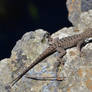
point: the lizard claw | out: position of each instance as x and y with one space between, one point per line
8 87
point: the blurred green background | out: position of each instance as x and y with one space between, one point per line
20 16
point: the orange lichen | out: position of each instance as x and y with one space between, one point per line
73 1
89 71
72 53
80 72
76 30
70 8
69 89
89 84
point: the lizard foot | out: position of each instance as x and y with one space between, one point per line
8 88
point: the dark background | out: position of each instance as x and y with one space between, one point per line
20 16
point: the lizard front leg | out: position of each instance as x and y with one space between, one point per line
61 52
79 46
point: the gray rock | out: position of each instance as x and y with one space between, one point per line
85 20
75 8
86 5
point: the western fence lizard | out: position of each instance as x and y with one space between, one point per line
59 45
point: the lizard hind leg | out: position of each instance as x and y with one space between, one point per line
61 52
79 47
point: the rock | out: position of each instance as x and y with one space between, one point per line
75 8
85 20
86 5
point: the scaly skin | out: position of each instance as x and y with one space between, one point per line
58 45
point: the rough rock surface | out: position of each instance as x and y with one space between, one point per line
77 70
76 7
85 20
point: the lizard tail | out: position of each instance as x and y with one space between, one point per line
45 54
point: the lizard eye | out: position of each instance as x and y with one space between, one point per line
50 40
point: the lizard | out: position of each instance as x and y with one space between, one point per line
59 45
